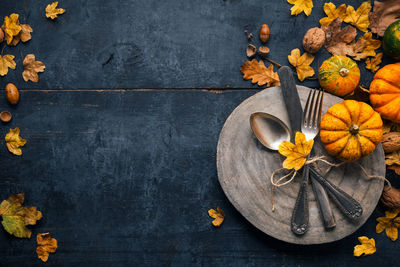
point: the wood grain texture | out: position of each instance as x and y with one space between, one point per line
244 168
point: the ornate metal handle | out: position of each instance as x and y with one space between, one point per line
323 202
348 205
300 212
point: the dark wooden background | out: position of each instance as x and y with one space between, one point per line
122 129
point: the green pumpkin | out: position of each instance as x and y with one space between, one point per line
391 40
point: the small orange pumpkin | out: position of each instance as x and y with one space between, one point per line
351 130
339 75
385 92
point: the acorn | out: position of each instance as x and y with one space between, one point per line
264 33
12 94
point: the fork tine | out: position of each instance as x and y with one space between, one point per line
315 109
320 107
306 108
310 111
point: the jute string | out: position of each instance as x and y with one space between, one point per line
282 181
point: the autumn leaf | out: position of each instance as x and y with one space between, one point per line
16 217
24 35
301 63
259 74
296 154
392 158
300 6
332 13
359 17
52 11
385 13
373 63
390 223
6 61
218 215
14 141
367 247
46 245
31 68
365 46
395 168
11 27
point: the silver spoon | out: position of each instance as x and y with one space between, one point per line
269 130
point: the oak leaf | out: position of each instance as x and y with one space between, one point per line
14 141
218 216
390 223
11 27
52 11
259 74
31 68
16 217
296 154
332 13
373 62
299 6
359 17
385 13
6 61
367 247
392 158
301 63
46 245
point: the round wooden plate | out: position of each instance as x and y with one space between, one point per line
244 169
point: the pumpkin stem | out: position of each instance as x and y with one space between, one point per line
343 72
354 129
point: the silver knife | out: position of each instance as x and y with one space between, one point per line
300 214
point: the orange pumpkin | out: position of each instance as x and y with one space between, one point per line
385 92
351 130
339 75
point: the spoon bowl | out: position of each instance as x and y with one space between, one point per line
269 130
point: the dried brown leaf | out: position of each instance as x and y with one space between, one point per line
259 74
31 68
46 245
385 13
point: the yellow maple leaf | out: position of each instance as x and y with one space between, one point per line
218 216
52 11
359 17
31 68
24 35
15 217
296 154
46 245
6 61
301 63
373 62
392 158
365 46
390 223
300 6
332 13
14 141
259 74
367 246
11 27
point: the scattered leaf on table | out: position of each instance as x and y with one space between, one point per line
359 17
31 68
339 42
52 11
16 217
373 62
218 215
296 154
392 158
367 247
46 245
6 61
301 6
11 27
387 126
365 46
24 35
259 74
301 63
332 13
14 141
385 13
390 223
395 168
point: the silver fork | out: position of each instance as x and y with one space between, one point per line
310 128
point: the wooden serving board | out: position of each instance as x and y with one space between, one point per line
244 169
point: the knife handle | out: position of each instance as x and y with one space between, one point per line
347 204
323 203
299 223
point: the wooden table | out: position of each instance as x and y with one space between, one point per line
122 129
